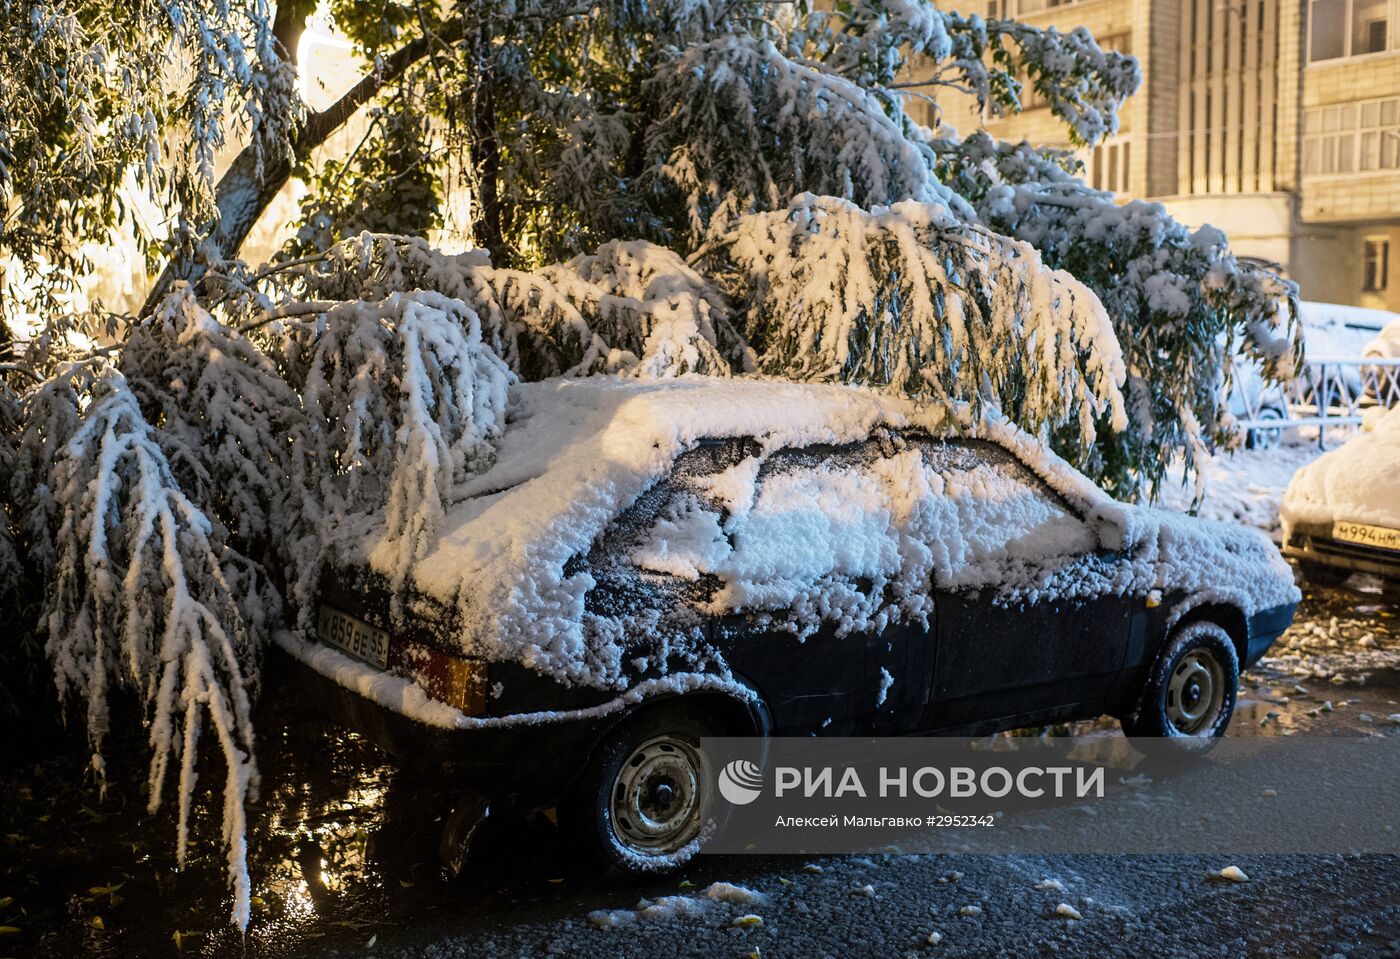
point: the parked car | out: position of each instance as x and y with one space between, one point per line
1334 329
1252 398
1341 512
1383 382
650 563
1329 331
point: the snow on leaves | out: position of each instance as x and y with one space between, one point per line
402 400
629 307
747 127
138 597
1182 305
879 44
908 299
166 498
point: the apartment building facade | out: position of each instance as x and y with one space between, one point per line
1276 120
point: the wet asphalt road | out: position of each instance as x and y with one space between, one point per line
345 864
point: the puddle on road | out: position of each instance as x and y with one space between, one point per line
343 844
342 848
90 873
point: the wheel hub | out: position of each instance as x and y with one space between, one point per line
656 798
1196 692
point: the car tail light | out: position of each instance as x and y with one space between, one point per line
455 680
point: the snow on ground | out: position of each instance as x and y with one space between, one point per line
1342 649
663 908
1244 487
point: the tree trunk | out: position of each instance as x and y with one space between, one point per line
6 338
289 24
242 195
486 152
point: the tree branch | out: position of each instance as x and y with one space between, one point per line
242 195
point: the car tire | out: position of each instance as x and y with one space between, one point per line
1266 438
1190 693
1320 574
646 800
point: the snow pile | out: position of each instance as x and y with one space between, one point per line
1358 481
850 536
665 908
734 894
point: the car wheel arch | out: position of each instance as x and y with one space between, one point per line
737 715
1228 617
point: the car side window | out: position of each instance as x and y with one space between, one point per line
771 528
1000 522
672 538
817 511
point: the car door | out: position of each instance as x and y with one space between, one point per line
1029 626
816 632
725 529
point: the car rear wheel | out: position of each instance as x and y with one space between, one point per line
646 800
1191 690
1320 574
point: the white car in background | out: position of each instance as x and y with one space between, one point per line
1386 344
1383 382
1329 331
1341 513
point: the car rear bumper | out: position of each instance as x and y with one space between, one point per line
1314 544
1266 626
538 762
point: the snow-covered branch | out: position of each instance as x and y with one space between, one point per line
402 399
908 298
141 594
747 127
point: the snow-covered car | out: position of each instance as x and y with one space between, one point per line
1334 331
1383 381
1338 330
650 562
1341 512
1386 343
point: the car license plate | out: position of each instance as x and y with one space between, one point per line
353 636
1365 535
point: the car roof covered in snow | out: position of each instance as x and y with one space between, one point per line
578 451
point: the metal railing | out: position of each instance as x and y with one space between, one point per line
1328 391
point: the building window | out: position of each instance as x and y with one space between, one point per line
1109 166
1349 28
1035 6
1377 257
1352 137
